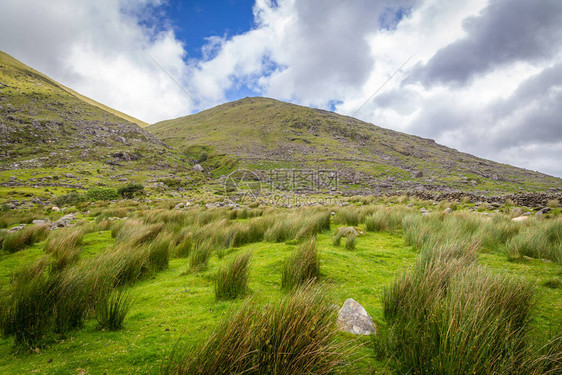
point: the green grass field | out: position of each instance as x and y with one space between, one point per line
177 306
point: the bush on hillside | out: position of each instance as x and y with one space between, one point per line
100 193
69 199
131 190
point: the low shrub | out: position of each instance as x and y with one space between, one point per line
69 199
100 193
232 280
131 190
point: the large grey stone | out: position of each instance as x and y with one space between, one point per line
353 318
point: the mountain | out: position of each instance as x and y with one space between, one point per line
43 123
264 134
49 132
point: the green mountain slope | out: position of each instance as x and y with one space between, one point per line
51 136
53 125
268 134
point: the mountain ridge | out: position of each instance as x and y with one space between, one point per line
281 133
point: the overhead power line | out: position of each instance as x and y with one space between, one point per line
380 88
176 82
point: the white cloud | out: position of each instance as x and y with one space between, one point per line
477 81
100 49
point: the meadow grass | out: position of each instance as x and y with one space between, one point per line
450 316
112 309
23 238
294 336
302 267
232 280
447 288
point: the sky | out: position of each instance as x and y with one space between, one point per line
481 76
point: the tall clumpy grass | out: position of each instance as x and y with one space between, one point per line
64 245
450 316
22 238
541 240
112 309
232 280
385 219
159 252
200 256
302 267
294 336
42 304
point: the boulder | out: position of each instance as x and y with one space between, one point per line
198 168
63 221
447 210
418 174
16 228
520 218
353 318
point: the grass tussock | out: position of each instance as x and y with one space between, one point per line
450 316
18 240
112 309
295 336
200 257
159 252
42 305
184 246
64 245
232 280
302 267
385 219
543 240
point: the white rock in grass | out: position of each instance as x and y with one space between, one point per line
520 218
353 318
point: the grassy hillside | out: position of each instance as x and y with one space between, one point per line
53 139
7 60
265 133
51 124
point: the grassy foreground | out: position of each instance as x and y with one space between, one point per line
168 263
